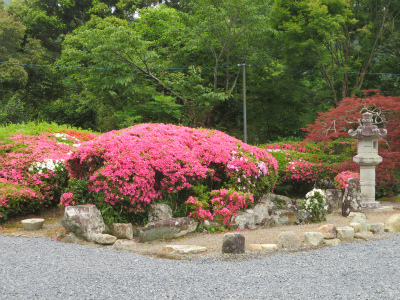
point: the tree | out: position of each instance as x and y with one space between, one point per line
128 64
386 111
227 29
339 38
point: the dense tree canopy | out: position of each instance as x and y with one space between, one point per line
108 64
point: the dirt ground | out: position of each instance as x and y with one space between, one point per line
213 242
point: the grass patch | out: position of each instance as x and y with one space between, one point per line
395 198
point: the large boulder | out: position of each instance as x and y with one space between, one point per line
233 243
167 229
333 200
352 197
83 220
393 223
278 201
261 211
284 217
244 219
158 212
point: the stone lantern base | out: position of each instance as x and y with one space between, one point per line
370 205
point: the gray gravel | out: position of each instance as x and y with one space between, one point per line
46 269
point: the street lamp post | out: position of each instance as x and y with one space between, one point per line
244 102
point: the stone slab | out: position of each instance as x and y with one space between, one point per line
184 249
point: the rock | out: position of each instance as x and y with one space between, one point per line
352 197
244 219
357 217
184 249
356 226
277 201
158 212
233 243
393 223
71 238
345 233
333 200
261 247
124 245
332 242
328 231
122 230
268 222
254 248
315 239
261 211
83 220
376 228
269 246
104 239
364 235
32 224
288 239
284 217
167 229
136 230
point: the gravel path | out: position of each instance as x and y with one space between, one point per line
45 269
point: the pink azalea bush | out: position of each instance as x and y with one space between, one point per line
224 205
303 165
130 168
342 178
32 173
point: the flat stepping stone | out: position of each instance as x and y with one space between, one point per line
32 224
261 247
184 249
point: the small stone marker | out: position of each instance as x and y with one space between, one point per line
184 249
233 243
124 244
376 228
332 242
357 217
288 239
345 233
32 224
315 239
122 230
364 235
103 239
393 223
328 231
356 226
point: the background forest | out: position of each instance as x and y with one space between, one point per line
109 64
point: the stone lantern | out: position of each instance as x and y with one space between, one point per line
367 157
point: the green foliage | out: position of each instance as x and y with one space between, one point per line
33 128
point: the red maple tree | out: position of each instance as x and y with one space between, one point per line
347 115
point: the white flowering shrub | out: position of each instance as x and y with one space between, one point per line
315 205
47 165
